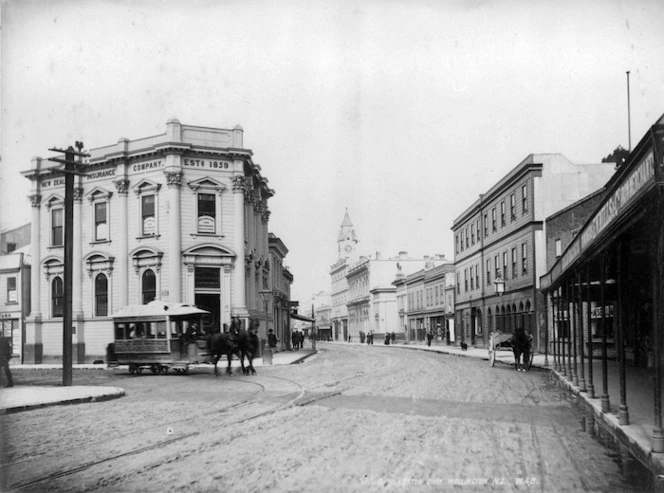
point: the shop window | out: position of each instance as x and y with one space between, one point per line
12 293
524 259
101 295
207 213
57 297
148 217
101 221
514 271
148 286
57 227
524 198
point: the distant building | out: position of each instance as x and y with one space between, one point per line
347 242
322 303
13 239
372 296
15 298
281 280
502 236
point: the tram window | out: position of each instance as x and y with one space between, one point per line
132 332
161 330
120 331
150 331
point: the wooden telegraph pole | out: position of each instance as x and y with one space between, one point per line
72 167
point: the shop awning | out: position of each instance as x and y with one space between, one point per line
302 317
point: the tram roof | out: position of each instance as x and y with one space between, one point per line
157 308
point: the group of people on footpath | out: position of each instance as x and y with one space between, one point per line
5 356
297 338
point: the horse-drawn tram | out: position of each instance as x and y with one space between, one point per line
159 336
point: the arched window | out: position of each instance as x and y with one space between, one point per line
101 296
149 286
57 297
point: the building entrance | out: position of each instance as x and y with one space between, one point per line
207 295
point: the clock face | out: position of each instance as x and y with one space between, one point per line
348 248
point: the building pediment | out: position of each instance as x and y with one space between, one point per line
98 193
206 183
146 186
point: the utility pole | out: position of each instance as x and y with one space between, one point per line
71 168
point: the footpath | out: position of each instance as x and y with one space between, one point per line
25 397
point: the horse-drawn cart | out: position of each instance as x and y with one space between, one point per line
520 343
160 336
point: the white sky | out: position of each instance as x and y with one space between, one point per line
401 111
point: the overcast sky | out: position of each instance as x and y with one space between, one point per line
403 112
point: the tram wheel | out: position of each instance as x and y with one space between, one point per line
164 370
132 369
155 369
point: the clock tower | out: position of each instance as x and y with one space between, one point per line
347 239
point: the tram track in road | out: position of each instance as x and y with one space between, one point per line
190 429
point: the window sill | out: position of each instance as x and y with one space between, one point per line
12 303
148 237
99 242
207 235
53 247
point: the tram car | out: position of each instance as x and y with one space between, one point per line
159 336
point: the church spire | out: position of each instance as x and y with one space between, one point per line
347 239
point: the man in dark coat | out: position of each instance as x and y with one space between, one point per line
5 356
272 340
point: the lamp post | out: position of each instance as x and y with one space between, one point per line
499 286
313 326
266 294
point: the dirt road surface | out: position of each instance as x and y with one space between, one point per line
351 418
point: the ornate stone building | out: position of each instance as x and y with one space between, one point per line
181 216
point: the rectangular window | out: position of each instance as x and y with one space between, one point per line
465 279
57 227
514 271
524 198
493 219
486 225
477 228
502 213
496 264
101 221
12 294
488 272
505 266
559 248
456 243
458 283
524 259
207 213
467 240
149 221
472 235
472 279
477 276
512 207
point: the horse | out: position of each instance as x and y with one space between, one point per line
247 342
220 344
521 347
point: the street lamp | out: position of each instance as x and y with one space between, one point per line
499 285
266 294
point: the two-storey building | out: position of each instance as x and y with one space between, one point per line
281 280
15 298
501 237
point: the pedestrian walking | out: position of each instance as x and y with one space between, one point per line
393 337
295 340
387 339
429 338
5 356
301 340
271 340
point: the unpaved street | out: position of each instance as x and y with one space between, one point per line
351 418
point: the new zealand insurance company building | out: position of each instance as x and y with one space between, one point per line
181 216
